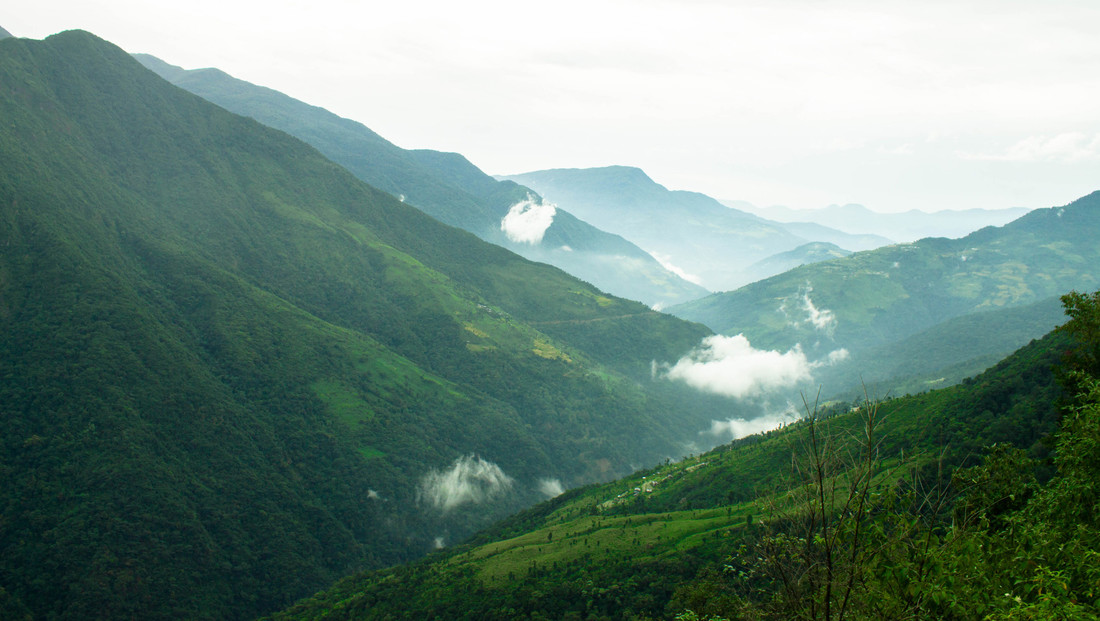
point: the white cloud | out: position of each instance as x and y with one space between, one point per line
823 319
470 480
834 357
528 220
730 366
666 262
740 427
550 487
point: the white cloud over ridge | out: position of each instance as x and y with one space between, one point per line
528 220
470 480
731 366
551 487
822 319
740 427
666 262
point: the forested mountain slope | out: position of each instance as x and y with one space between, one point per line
661 541
872 300
448 187
230 372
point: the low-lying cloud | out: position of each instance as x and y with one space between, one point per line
666 262
822 319
551 487
470 480
735 428
731 366
528 220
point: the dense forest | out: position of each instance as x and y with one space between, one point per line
231 373
972 502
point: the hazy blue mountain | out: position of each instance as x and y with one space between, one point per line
4 34
873 300
805 254
690 231
447 187
231 372
850 241
903 227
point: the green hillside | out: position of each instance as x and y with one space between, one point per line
685 535
444 185
872 301
232 372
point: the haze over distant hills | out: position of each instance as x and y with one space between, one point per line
902 227
451 189
708 242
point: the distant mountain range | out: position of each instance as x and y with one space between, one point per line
902 227
827 234
872 301
706 241
451 189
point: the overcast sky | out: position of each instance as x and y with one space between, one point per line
924 104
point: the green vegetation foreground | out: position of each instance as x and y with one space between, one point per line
884 512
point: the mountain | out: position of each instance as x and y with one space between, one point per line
231 372
813 252
822 233
905 226
4 34
669 538
693 232
876 299
449 188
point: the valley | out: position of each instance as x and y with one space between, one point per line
257 361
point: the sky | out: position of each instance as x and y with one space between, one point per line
895 105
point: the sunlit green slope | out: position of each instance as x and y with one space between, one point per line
634 548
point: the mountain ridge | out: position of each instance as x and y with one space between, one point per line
447 186
876 297
901 226
694 232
